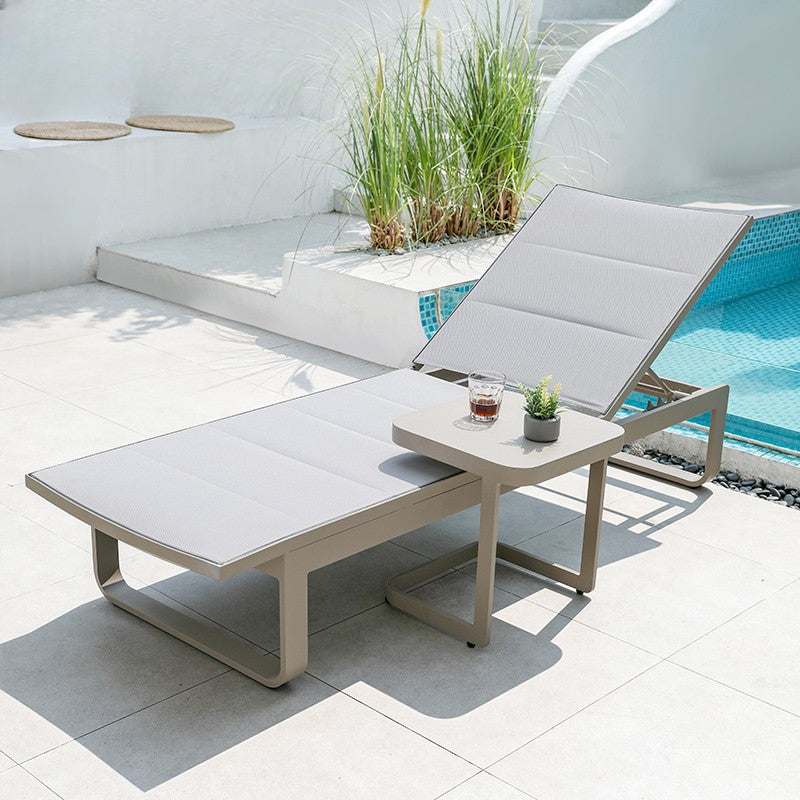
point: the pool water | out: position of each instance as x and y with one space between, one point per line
751 343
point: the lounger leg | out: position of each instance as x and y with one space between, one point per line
213 640
487 550
293 582
714 400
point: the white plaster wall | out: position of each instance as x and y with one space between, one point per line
60 200
108 59
267 64
687 94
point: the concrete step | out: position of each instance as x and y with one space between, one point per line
308 278
574 33
552 58
243 255
588 9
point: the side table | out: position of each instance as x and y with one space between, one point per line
503 458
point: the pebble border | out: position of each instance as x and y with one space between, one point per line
774 493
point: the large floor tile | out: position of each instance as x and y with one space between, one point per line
17 784
202 339
72 662
757 652
40 317
52 431
737 523
296 369
163 403
92 307
21 500
233 738
658 591
6 762
248 603
84 362
480 703
626 487
668 734
484 786
13 393
32 557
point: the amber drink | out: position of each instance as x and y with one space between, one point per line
485 395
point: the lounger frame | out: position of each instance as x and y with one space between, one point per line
676 402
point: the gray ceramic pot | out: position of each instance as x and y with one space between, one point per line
542 430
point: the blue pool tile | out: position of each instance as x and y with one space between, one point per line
764 401
768 256
763 327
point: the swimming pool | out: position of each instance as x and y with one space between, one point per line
743 331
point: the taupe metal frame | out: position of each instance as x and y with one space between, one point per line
676 402
290 561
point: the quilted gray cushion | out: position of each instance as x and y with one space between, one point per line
588 290
222 490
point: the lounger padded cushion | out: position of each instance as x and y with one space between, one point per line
588 290
222 490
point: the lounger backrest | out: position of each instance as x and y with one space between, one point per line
589 290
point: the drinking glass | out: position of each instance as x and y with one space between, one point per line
485 395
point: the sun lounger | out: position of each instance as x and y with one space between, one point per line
590 289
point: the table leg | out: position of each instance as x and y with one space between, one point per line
487 550
487 558
592 524
583 580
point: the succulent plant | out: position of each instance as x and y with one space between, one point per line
539 401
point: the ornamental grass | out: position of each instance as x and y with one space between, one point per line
439 128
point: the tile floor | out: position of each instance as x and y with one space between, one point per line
677 678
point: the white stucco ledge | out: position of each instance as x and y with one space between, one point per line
304 278
149 184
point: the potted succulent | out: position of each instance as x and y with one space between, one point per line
542 422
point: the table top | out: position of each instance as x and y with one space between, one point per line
498 449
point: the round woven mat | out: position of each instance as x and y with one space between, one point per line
172 122
72 131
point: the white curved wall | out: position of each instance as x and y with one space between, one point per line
686 94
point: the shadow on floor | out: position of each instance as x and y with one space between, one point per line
97 665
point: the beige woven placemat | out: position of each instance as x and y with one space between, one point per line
72 131
173 122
